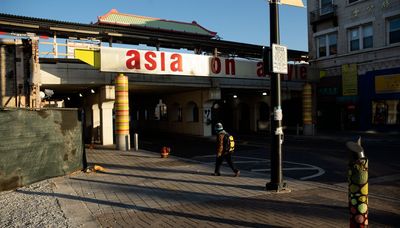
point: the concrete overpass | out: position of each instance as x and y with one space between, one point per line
177 102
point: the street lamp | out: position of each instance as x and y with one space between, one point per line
278 66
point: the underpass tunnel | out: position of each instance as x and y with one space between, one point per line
243 110
194 111
176 109
182 110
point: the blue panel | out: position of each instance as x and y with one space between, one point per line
367 95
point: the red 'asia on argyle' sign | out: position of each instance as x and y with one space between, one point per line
150 57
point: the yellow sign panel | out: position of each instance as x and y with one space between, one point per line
349 80
298 3
387 83
90 57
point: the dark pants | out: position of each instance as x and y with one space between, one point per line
228 157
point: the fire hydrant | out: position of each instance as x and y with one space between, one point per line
165 151
358 185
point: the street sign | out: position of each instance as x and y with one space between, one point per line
279 59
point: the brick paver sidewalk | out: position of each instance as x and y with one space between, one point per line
140 189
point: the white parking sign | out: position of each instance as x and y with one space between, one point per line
279 59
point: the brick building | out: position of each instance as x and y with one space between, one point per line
354 46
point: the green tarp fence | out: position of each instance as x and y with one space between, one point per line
38 144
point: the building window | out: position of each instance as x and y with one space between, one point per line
326 6
176 112
354 40
327 45
192 112
195 114
394 30
160 112
332 42
361 37
321 42
386 112
367 37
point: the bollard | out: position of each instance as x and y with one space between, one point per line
358 185
136 141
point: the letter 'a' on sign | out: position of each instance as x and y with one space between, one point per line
298 3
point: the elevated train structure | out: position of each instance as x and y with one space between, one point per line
179 77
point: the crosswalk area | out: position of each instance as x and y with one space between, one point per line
296 170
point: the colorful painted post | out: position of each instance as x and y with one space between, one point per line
122 112
307 110
358 185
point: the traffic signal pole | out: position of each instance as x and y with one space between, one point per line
276 183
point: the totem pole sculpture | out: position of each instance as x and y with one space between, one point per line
358 185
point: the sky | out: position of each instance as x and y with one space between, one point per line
245 21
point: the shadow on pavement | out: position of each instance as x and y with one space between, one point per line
243 204
247 187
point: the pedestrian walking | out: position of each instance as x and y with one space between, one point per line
225 149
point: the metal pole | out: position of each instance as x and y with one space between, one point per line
83 125
276 183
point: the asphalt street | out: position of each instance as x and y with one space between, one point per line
321 158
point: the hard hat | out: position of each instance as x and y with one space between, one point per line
219 127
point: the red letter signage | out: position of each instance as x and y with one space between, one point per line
230 65
151 62
177 64
135 59
215 65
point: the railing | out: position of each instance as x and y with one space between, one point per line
64 48
323 13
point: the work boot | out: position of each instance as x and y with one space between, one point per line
237 173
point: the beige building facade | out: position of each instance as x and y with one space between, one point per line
354 47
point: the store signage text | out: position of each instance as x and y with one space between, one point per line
169 63
387 83
151 60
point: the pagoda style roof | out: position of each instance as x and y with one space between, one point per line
113 17
11 24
